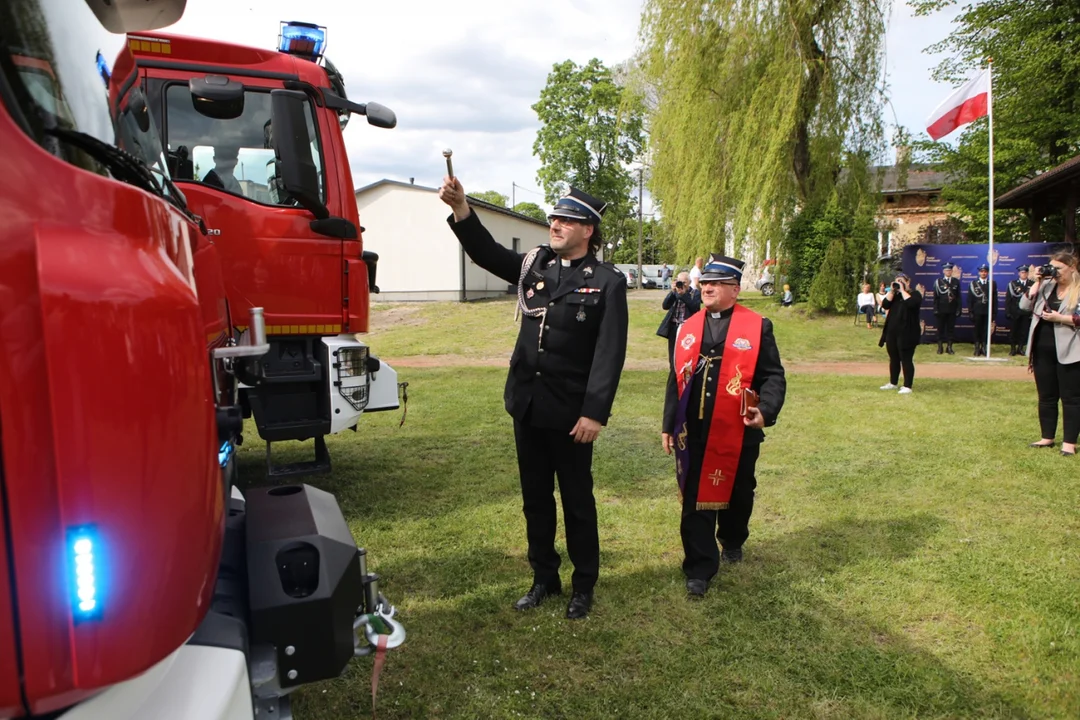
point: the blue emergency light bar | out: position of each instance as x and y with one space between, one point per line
84 549
302 39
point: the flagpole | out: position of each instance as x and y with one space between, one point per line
990 201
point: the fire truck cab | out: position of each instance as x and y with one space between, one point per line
254 139
136 580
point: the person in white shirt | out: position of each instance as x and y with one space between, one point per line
695 275
867 304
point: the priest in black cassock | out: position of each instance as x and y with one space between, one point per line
720 352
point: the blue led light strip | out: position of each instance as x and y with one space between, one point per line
84 549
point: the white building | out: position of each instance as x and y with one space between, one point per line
420 258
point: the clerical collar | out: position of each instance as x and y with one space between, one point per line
572 263
722 313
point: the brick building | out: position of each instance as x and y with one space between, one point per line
908 204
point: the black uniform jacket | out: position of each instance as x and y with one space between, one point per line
984 305
769 382
946 296
1017 289
572 370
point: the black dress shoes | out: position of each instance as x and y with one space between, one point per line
734 555
580 604
536 595
695 589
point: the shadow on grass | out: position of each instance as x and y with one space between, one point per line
766 642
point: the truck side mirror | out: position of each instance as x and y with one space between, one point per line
124 16
380 116
217 96
292 150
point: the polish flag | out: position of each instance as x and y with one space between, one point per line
968 103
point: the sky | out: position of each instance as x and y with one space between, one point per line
463 75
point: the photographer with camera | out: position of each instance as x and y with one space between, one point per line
1054 347
900 334
682 302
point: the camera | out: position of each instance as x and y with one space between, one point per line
1048 271
679 284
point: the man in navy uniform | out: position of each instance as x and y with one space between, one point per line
563 375
946 307
1020 319
982 304
720 352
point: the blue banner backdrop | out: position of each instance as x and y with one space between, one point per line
922 263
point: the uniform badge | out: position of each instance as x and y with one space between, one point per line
688 341
741 344
550 263
540 285
580 317
587 271
529 293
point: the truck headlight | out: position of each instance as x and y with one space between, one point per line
352 381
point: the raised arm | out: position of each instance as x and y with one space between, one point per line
475 238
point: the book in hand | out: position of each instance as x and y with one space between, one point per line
749 400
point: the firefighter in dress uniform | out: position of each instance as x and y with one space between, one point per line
982 304
563 375
946 307
720 351
1020 319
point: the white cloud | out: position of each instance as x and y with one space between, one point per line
464 75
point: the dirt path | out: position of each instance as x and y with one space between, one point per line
941 371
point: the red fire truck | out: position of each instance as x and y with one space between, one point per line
136 580
292 246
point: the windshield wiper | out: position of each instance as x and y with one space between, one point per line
124 167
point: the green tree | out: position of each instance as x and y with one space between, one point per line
846 239
1035 48
655 245
532 210
491 197
591 129
759 104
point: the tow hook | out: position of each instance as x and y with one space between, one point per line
382 618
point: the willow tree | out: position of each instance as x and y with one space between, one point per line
759 102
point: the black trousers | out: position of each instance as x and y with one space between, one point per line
543 455
981 322
946 327
701 529
1056 382
900 358
1018 333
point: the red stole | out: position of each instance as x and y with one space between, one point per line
724 444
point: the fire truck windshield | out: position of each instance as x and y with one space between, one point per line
235 155
55 57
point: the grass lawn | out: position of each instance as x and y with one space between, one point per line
909 555
487 329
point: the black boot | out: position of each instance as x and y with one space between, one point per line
949 349
939 350
536 595
1012 350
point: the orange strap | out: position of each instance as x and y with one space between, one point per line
380 658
